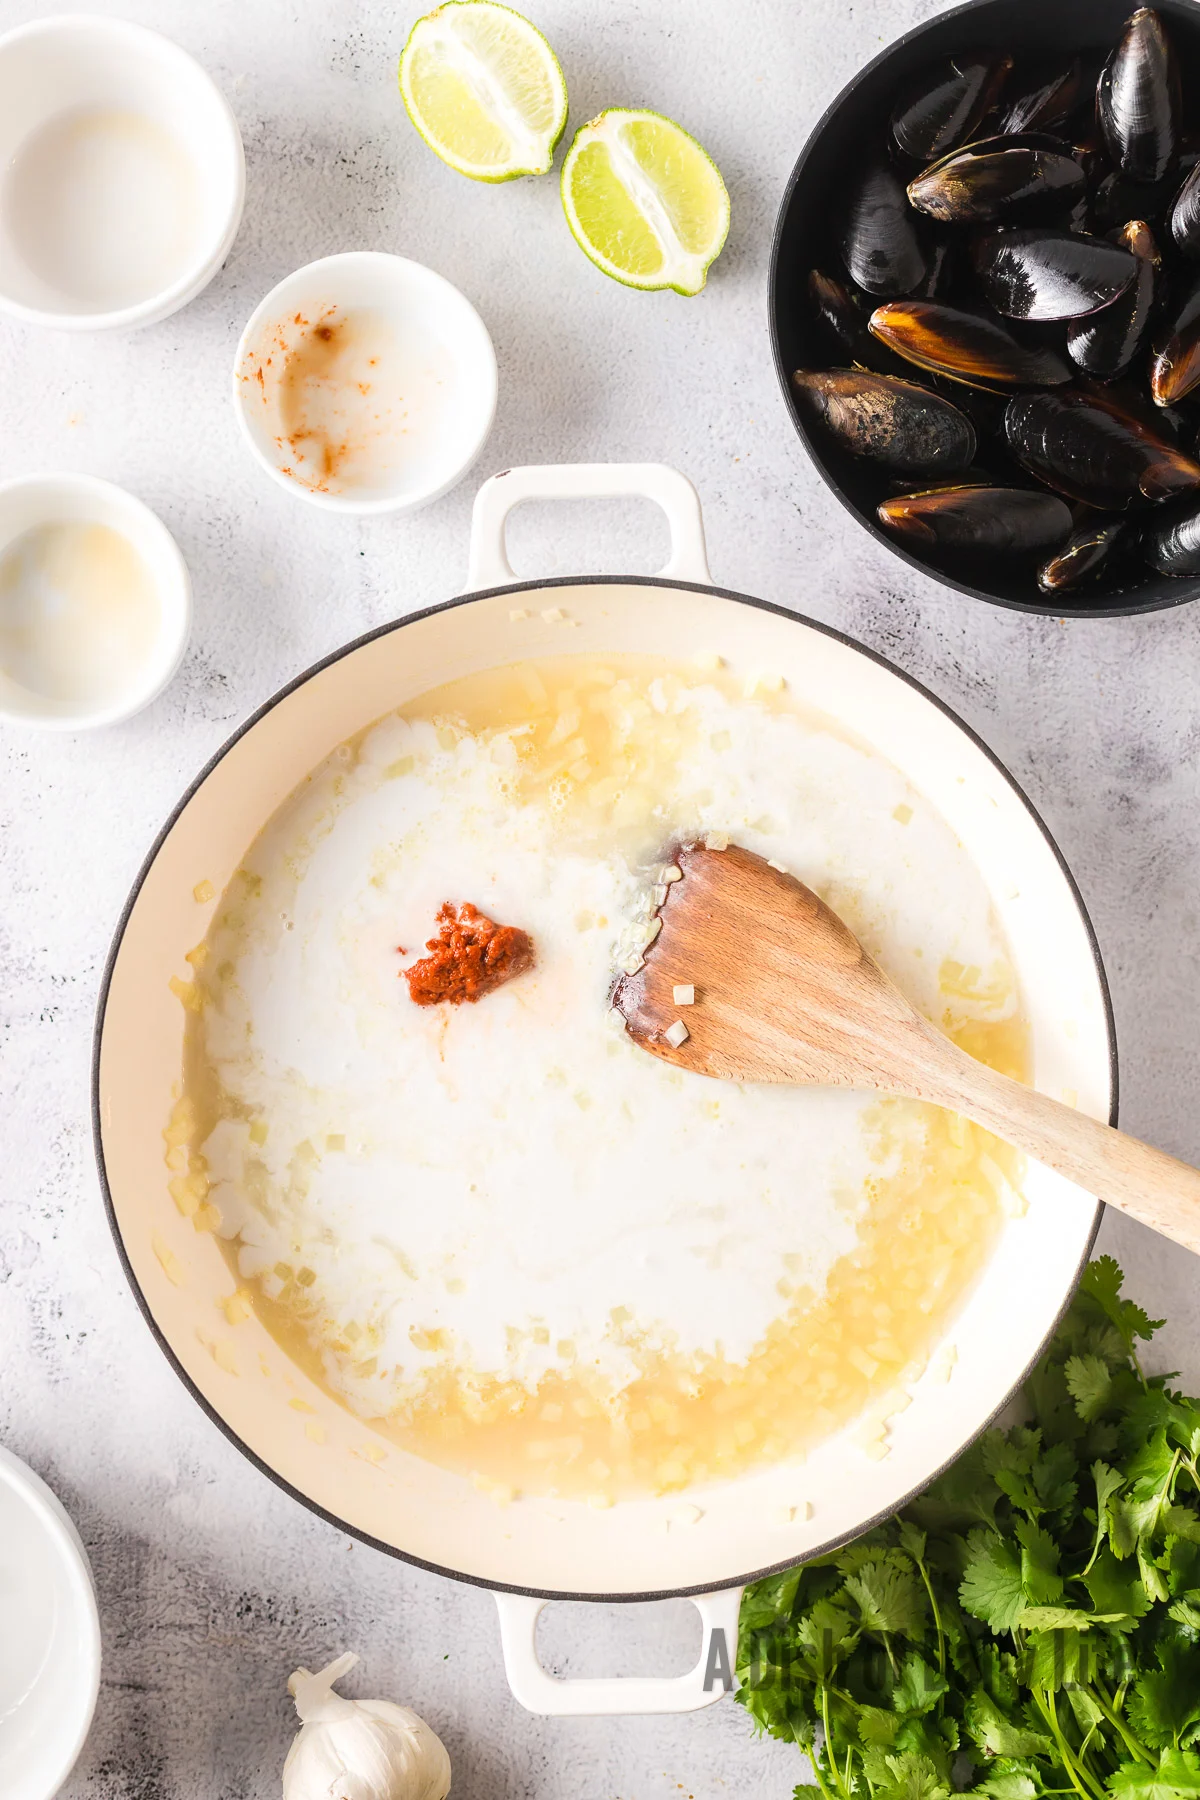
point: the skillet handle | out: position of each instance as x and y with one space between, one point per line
709 1680
489 565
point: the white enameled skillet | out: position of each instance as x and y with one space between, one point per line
539 1549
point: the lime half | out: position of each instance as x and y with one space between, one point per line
645 201
484 89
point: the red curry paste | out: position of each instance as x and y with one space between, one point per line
470 956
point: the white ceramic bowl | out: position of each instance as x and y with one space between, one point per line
122 175
36 500
433 324
50 1643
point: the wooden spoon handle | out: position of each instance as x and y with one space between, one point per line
1149 1185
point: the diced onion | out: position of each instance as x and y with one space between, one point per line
716 840
676 1034
684 994
686 1515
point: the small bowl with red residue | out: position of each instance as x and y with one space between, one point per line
366 383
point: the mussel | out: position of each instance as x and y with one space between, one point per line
967 347
1138 99
997 179
898 424
1115 198
1185 216
1050 103
1105 343
1043 274
1089 450
1002 520
879 241
1171 541
944 105
1175 370
1085 555
837 309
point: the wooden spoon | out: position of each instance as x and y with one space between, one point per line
785 992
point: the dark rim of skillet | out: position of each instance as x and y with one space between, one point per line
551 583
1033 28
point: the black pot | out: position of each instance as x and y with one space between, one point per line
804 239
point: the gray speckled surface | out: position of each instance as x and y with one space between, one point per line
212 1584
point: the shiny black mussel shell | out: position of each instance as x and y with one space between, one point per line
1175 370
898 424
992 520
1105 343
1043 274
1050 103
965 346
837 309
945 104
1086 555
1086 448
1138 101
1171 540
879 241
1185 216
1115 199
998 179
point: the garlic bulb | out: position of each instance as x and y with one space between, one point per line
359 1749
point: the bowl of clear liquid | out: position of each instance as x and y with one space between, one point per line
122 175
95 603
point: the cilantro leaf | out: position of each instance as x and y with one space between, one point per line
912 1541
1181 1522
997 1735
1114 1589
919 1688
1062 1618
991 1585
1007 1787
1054 1477
769 1600
913 1777
889 1598
1039 1562
1178 1772
1102 1283
1108 1482
1165 1701
1090 1383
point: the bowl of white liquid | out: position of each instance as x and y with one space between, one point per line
95 603
366 383
122 176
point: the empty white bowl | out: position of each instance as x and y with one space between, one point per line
50 1644
122 175
91 642
366 383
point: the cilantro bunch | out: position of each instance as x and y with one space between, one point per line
1031 1624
